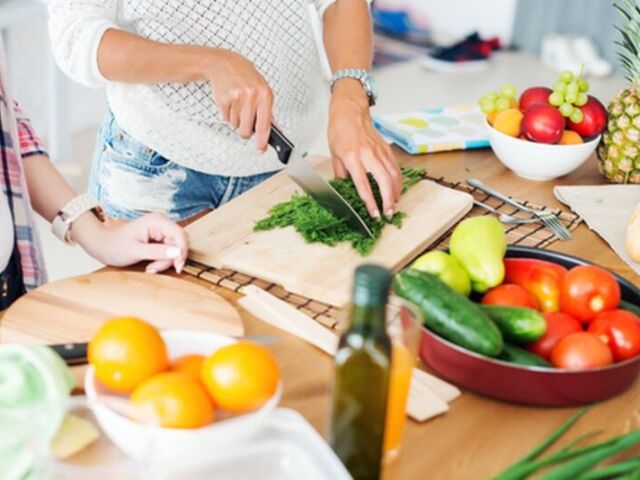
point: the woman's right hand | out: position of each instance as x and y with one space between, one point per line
242 94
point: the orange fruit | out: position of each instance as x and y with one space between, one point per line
491 118
175 400
240 377
125 352
508 122
570 137
189 364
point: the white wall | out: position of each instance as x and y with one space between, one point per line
29 68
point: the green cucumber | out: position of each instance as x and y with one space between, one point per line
520 356
449 314
517 324
630 307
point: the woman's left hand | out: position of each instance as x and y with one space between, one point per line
152 237
358 149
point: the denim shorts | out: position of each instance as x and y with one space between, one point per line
129 180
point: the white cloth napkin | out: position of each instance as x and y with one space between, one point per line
606 209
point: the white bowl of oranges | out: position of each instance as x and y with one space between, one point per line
189 391
545 133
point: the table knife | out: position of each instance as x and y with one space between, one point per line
301 172
75 354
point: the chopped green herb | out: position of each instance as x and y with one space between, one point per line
317 224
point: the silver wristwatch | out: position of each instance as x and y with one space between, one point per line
78 206
363 77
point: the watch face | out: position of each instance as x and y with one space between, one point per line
370 86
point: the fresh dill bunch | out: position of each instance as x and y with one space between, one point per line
317 224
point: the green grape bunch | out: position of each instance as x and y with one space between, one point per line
570 93
494 102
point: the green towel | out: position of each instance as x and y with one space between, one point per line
35 384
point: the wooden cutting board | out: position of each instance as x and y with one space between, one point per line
225 238
71 310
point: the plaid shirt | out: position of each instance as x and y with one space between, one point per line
17 141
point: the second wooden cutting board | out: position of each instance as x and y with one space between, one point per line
71 310
225 239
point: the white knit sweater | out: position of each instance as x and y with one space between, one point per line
181 121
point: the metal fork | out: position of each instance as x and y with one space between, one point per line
505 217
549 219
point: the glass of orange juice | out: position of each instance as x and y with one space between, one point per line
403 326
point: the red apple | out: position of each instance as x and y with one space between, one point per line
534 96
594 121
543 124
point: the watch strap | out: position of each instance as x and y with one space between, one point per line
78 206
359 74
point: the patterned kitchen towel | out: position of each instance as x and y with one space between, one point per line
459 127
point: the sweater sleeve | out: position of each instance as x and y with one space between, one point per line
322 5
76 28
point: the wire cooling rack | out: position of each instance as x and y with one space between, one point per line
529 235
525 235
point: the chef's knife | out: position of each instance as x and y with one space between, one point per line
75 354
313 184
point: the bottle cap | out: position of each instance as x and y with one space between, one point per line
371 285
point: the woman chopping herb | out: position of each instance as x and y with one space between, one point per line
28 178
189 81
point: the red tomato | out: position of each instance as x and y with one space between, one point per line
588 290
510 295
620 330
541 278
559 325
580 351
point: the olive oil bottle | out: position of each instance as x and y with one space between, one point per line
362 371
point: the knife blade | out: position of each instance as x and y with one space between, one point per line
75 354
301 172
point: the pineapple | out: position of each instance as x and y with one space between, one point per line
619 151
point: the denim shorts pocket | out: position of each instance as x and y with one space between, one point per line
124 149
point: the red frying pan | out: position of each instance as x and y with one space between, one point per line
531 385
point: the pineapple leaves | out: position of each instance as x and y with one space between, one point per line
622 11
627 65
629 10
629 42
625 61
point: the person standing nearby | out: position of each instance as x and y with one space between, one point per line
189 81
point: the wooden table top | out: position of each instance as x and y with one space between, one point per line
478 437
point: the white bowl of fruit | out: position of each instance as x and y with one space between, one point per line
545 133
180 394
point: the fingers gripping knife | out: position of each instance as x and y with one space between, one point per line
312 183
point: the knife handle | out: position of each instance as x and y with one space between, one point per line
72 353
281 144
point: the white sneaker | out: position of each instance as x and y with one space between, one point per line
557 52
587 53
